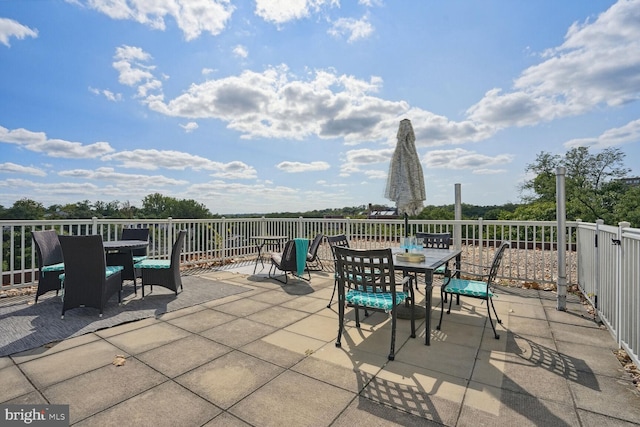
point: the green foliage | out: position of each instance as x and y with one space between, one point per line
24 209
592 185
159 206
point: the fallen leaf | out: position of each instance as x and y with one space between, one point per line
119 360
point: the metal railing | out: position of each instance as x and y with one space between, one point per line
609 277
607 274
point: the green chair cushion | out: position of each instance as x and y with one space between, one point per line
139 258
109 271
53 267
113 269
153 263
473 288
380 300
440 270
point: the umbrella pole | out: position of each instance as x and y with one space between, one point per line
406 228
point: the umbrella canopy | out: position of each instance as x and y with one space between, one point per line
405 183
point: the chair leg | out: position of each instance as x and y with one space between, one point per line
357 310
490 302
392 351
335 285
340 319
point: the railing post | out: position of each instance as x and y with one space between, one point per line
169 241
561 212
457 229
94 225
620 255
300 228
480 241
599 223
223 238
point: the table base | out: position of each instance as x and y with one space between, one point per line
404 312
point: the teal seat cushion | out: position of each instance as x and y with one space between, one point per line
440 270
153 263
139 258
109 271
380 300
473 288
113 269
53 267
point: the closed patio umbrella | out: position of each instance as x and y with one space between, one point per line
405 182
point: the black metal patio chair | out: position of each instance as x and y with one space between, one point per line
480 289
287 263
366 279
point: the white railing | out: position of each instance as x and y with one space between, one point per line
608 275
220 241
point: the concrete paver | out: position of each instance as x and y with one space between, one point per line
268 357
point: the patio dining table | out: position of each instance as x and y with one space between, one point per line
120 252
265 240
433 258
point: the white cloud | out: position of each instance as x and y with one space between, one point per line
295 167
240 51
610 138
111 96
355 160
597 64
278 104
189 127
464 159
356 29
38 142
109 174
133 70
177 160
193 17
281 11
10 28
14 168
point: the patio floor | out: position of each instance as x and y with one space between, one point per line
267 358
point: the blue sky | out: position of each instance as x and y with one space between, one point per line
267 106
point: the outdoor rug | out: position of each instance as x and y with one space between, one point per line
24 327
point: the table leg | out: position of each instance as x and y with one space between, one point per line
428 278
259 247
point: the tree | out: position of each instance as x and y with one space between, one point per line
159 206
592 182
25 209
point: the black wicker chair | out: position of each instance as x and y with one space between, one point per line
136 234
481 288
287 262
163 272
50 261
366 279
87 280
128 258
314 263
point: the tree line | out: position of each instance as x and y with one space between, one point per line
595 189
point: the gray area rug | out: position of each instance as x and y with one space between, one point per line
24 327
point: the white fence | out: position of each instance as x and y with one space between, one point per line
608 275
